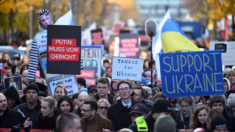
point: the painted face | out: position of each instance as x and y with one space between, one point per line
46 110
45 20
65 107
103 109
202 115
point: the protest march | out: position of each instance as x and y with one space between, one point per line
147 77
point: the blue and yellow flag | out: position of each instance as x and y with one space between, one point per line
174 39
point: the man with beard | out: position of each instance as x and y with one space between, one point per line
31 109
8 117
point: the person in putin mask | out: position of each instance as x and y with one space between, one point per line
103 89
119 112
91 120
8 117
31 109
49 112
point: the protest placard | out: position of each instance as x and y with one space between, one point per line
1 72
70 84
91 59
227 51
97 37
15 81
127 68
129 45
191 73
64 48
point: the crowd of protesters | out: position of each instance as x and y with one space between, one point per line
111 105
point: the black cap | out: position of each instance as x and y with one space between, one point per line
161 105
139 108
92 87
42 93
2 86
82 81
218 121
42 87
32 87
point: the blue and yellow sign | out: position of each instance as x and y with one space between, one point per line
192 73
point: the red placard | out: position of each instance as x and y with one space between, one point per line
63 57
129 41
87 74
63 42
90 82
61 49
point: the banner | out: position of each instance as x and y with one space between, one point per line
227 51
70 83
64 48
15 81
97 37
91 60
127 68
191 73
129 45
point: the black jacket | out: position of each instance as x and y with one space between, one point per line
230 119
46 123
119 115
11 118
12 93
29 113
77 112
110 98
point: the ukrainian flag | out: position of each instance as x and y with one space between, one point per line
174 39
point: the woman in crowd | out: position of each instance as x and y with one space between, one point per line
25 60
75 101
199 117
59 92
103 106
49 112
65 104
116 99
24 67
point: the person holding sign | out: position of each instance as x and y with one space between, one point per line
39 44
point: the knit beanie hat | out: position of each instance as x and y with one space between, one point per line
231 99
218 121
12 93
82 81
161 105
164 123
32 87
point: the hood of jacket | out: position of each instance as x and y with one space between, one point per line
228 82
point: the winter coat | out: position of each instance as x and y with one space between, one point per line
110 98
12 93
29 113
11 118
230 119
103 123
119 115
46 123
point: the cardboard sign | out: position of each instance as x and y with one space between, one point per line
227 51
191 73
70 83
15 81
127 68
91 60
143 38
64 48
0 72
129 45
97 37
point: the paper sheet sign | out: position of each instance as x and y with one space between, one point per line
127 68
191 73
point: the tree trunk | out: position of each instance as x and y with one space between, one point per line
10 32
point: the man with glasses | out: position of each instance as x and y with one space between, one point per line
83 96
31 109
103 89
91 120
119 113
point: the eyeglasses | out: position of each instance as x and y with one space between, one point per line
67 105
84 110
103 108
126 89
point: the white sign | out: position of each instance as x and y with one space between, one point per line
70 83
227 51
127 68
